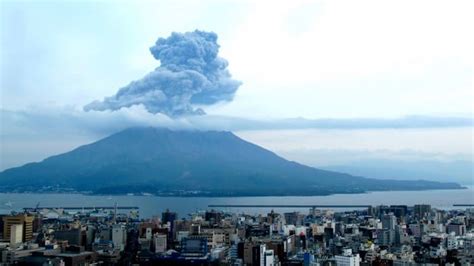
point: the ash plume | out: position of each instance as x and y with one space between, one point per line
191 73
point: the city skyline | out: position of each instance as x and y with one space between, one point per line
236 132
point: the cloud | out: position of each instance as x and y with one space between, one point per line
356 123
73 120
35 133
191 73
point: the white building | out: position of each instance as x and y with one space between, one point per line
119 236
451 242
269 258
347 259
218 253
159 241
148 233
16 234
262 251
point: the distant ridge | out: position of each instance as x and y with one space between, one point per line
187 163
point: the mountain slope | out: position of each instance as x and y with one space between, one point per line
209 162
443 171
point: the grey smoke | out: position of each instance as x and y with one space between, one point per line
191 73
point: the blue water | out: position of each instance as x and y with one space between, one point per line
151 205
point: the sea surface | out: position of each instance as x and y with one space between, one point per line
151 205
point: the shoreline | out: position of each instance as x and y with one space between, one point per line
219 195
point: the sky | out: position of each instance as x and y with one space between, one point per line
309 60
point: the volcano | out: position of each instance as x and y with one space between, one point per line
188 163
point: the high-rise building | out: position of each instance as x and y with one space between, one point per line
415 229
1 225
458 229
213 216
247 252
23 219
119 236
381 210
159 241
399 211
72 236
195 229
386 237
421 210
294 218
258 254
269 258
168 216
389 221
16 234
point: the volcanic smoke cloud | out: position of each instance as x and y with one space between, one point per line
190 74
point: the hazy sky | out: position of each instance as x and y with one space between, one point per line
310 59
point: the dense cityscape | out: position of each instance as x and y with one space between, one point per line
377 235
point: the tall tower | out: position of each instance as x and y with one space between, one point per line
22 219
